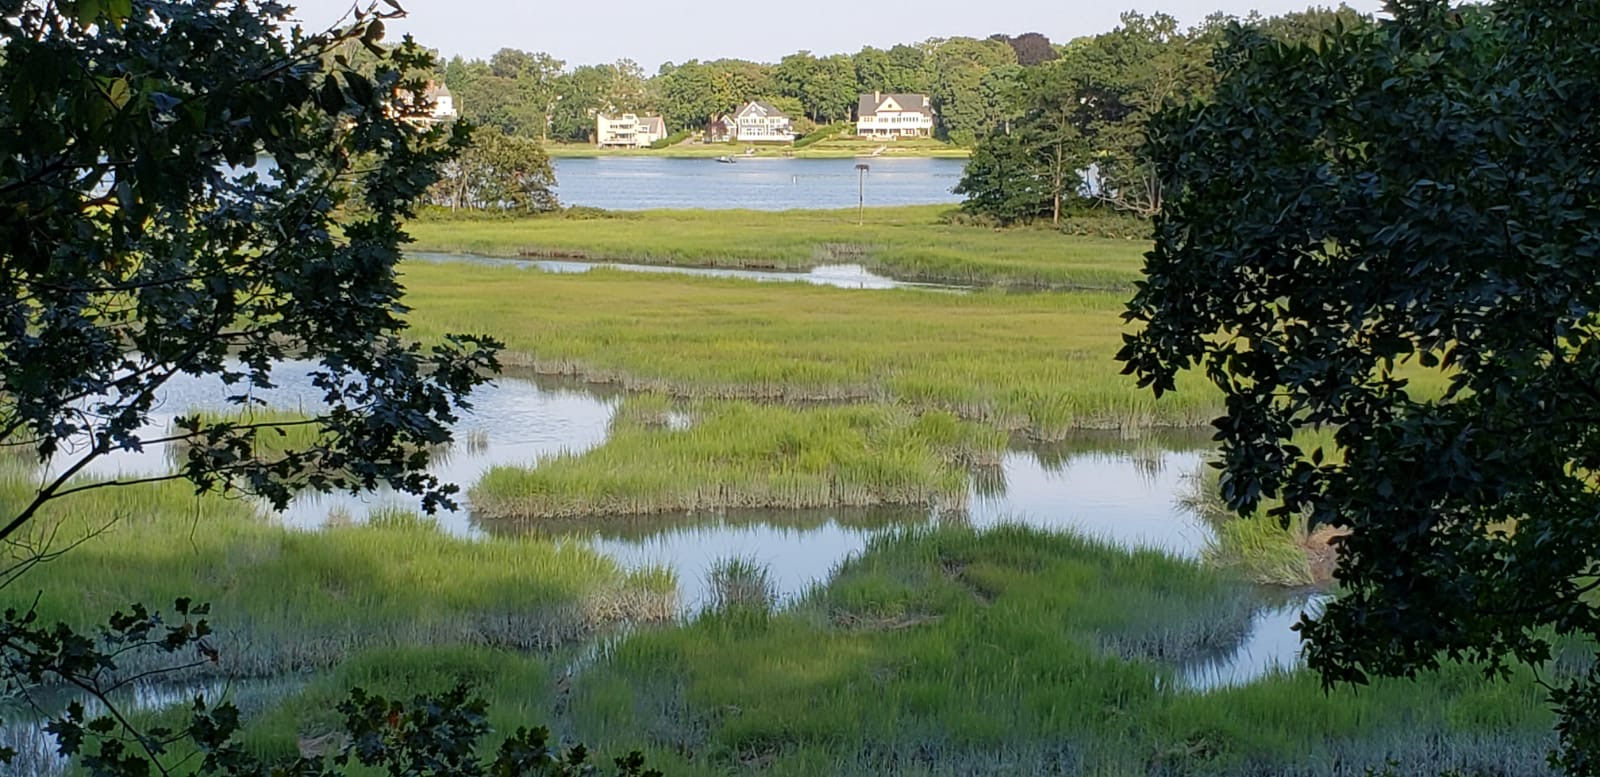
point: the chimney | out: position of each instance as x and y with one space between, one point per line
877 97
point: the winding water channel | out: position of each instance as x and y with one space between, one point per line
1122 489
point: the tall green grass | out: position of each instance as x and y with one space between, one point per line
1038 364
949 651
1021 652
908 242
290 601
730 454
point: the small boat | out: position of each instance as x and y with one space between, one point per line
727 160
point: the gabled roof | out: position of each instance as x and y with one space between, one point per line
766 108
437 89
910 103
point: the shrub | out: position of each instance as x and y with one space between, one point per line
671 140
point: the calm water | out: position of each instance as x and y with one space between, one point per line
642 183
1122 490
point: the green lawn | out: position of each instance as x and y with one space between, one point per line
826 149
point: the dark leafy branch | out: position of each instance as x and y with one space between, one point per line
1408 204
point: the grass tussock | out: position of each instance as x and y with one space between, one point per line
740 455
1041 365
1260 547
911 243
278 431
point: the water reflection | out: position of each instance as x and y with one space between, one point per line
1270 645
1103 485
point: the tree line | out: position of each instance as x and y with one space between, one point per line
535 95
1067 133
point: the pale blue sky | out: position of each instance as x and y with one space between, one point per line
654 31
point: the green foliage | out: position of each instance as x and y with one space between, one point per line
498 172
824 133
1002 181
671 140
969 107
1416 192
742 455
139 243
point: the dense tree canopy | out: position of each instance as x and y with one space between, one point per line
193 188
143 238
498 172
1080 118
1391 235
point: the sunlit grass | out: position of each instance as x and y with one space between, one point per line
1042 364
289 601
906 242
730 454
1018 652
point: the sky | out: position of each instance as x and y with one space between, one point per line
650 32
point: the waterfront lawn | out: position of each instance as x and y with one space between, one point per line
1035 363
905 242
713 455
832 148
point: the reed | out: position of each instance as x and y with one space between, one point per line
289 601
1022 652
910 243
740 455
1040 365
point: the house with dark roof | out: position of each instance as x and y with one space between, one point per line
761 121
880 115
719 129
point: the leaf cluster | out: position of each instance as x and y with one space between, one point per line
1391 232
140 238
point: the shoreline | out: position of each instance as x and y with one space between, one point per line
739 152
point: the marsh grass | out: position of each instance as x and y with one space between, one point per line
740 455
288 601
639 528
741 584
1258 546
1039 365
1016 651
910 243
280 430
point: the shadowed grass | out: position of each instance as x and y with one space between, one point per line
1038 364
909 243
742 455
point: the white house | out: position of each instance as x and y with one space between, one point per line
759 121
880 115
444 105
628 130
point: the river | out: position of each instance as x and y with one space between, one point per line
643 183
